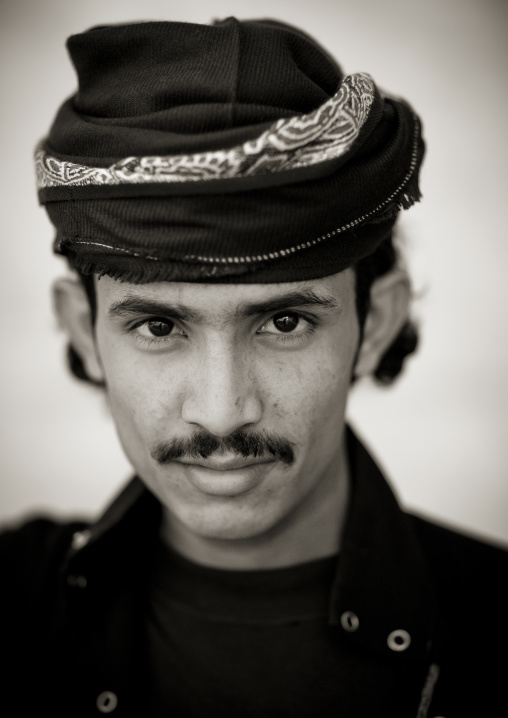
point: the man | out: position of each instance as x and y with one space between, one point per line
226 197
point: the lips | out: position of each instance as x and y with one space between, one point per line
232 464
226 477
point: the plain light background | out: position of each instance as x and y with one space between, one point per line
441 432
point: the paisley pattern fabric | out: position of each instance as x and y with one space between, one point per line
302 141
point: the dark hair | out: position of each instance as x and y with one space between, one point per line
367 270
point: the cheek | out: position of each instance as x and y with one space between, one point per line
310 392
140 395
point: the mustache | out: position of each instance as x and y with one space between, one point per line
203 444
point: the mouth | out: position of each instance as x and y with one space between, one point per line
225 477
234 463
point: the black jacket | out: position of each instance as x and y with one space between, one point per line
406 590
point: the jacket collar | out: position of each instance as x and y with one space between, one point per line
383 597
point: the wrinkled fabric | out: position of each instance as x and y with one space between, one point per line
130 180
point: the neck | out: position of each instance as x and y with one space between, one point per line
312 530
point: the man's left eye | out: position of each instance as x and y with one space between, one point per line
159 328
286 321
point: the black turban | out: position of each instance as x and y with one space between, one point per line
232 152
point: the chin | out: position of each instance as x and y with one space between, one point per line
227 524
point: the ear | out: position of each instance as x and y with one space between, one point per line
389 310
73 311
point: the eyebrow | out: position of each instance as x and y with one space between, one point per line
133 304
297 298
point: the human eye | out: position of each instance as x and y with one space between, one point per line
287 326
155 331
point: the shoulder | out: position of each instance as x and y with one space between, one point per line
458 556
470 576
37 537
33 552
471 587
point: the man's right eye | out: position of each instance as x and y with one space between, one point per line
156 330
158 327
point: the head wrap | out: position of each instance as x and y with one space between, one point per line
232 152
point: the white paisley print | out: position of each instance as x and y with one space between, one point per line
301 141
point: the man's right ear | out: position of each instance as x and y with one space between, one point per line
74 315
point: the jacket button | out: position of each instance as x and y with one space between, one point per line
80 539
106 702
76 581
349 621
398 640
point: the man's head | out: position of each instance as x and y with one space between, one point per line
230 217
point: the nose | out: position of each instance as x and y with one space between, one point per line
222 395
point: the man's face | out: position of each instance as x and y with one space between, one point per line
186 362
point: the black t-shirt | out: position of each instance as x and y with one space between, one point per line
259 644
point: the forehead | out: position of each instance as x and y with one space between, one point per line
227 300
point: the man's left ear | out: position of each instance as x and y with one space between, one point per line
389 310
